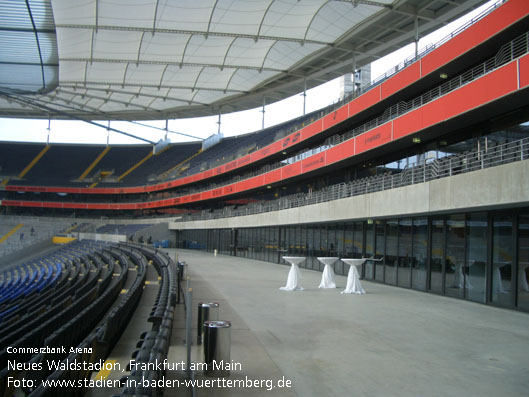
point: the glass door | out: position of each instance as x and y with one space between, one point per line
502 260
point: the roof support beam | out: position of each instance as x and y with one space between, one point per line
38 44
89 85
54 111
179 64
123 92
262 19
211 17
193 32
155 16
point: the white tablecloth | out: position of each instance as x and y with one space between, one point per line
353 278
294 277
327 278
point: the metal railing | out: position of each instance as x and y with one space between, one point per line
282 132
508 52
425 171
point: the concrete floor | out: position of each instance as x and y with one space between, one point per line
389 342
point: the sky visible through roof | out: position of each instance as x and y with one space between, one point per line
22 130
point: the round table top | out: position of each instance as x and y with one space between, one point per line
294 259
328 260
354 261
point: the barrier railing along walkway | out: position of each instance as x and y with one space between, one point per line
424 171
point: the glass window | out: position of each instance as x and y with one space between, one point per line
437 256
380 249
340 250
317 246
275 245
348 241
358 239
241 241
476 257
418 260
370 249
392 251
261 243
455 276
303 243
324 244
405 252
502 259
331 240
523 262
310 247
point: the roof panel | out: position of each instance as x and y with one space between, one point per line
74 12
147 56
175 76
116 44
245 80
208 97
185 15
248 52
105 73
126 13
335 18
237 16
72 71
289 18
284 54
144 74
209 51
212 78
163 47
74 43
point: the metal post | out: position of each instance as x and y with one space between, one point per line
189 313
424 169
49 128
416 36
354 74
304 95
263 111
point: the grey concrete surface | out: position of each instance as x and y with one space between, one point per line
389 342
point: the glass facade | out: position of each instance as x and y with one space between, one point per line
479 256
523 262
502 260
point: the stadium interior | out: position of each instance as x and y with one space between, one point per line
422 172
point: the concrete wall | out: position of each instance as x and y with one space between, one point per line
497 187
113 238
158 232
31 251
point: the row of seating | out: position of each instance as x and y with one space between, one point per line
41 277
105 335
45 313
50 170
74 331
153 345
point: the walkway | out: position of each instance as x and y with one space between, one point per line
389 342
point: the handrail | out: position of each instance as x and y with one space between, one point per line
390 72
509 51
419 172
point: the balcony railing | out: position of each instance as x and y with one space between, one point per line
508 52
421 172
